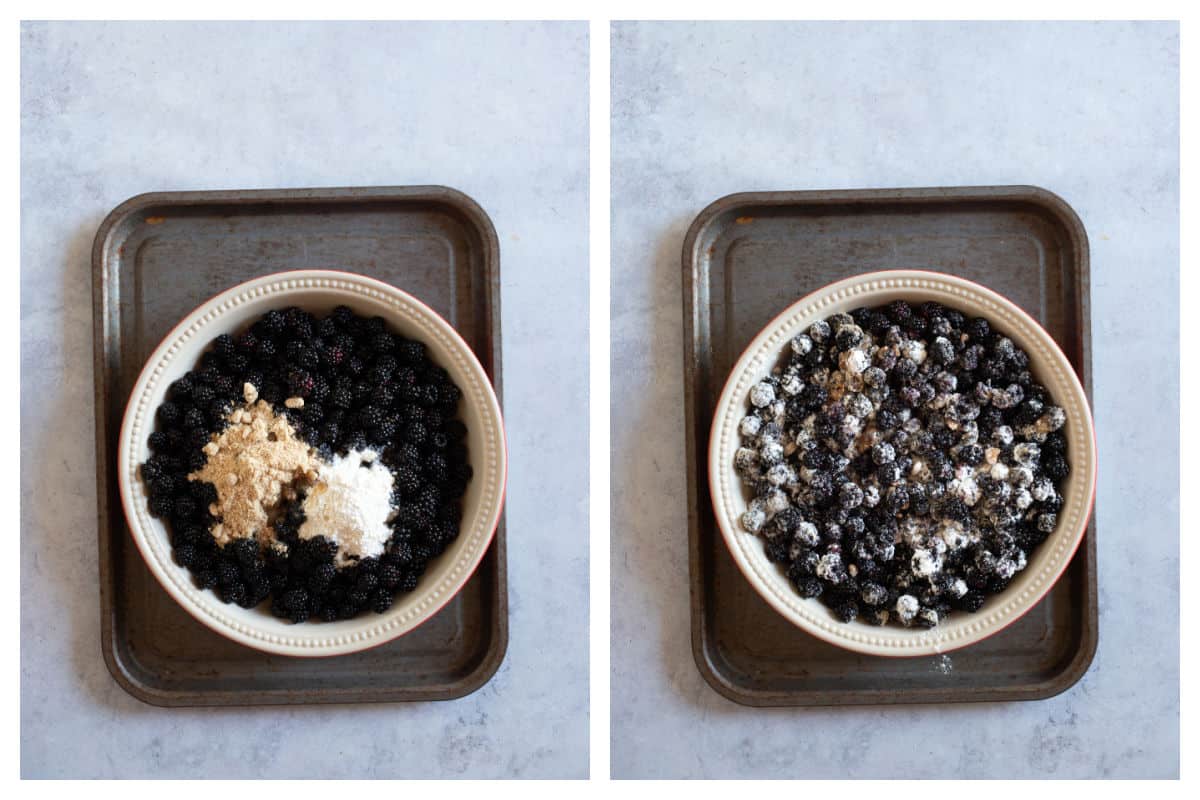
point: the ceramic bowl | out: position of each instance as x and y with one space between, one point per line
1048 365
318 291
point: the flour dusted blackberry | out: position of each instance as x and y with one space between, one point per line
903 463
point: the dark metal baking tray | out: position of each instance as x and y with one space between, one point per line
155 258
749 256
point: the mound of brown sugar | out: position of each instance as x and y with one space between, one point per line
253 463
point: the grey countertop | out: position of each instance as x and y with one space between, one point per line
1089 111
498 111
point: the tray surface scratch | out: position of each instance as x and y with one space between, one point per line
749 256
156 257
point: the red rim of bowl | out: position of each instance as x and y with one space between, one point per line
155 356
879 275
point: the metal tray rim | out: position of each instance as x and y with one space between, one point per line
1066 217
481 222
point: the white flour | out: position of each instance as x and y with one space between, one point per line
350 504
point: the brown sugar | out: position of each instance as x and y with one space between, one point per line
253 463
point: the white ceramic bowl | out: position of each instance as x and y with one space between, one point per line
319 291
1048 365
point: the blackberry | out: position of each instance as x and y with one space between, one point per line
925 618
875 616
896 499
971 454
821 485
309 359
299 322
916 325
449 395
883 453
184 507
382 396
382 370
1055 444
403 555
313 414
1052 504
366 583
244 552
846 610
292 600
168 413
817 458
888 474
848 337
329 432
819 332
224 345
299 382
941 350
953 508
227 572
341 397
151 470
810 587
381 601
161 505
370 416
321 577
989 419
185 555
1055 466
899 312
410 352
436 468
233 593
997 583
320 389
428 395
273 321
159 440
180 389
271 392
195 419
416 433
207 579
777 551
389 577
203 395
978 329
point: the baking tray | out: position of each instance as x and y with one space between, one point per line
749 256
155 258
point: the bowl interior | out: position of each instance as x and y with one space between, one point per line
1048 365
318 292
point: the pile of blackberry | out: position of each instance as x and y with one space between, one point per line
903 462
363 386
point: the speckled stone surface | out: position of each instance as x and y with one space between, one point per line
1089 111
498 111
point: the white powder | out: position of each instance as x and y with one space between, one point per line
350 504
